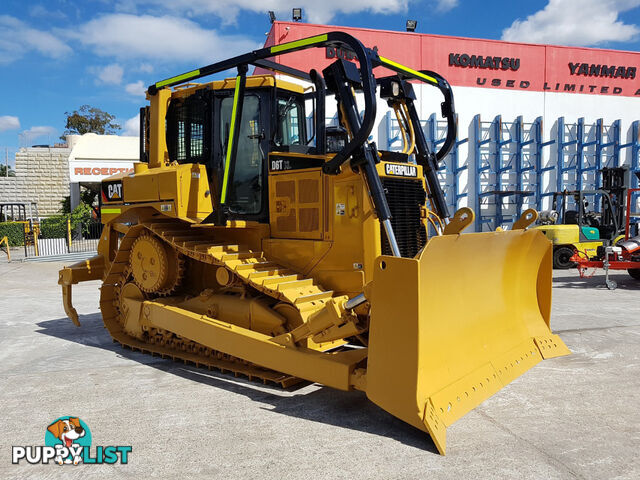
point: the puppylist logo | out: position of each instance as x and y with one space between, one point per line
67 441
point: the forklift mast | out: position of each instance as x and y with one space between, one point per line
614 182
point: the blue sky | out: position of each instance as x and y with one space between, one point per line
57 55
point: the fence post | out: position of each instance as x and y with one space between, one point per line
5 240
68 232
36 232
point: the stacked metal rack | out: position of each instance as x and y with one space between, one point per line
513 163
506 175
582 150
451 168
634 145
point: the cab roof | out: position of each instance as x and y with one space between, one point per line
253 81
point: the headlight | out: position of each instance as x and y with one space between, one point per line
395 89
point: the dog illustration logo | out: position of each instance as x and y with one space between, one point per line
69 435
67 441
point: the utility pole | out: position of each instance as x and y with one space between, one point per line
6 161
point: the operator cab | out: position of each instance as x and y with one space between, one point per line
198 128
248 130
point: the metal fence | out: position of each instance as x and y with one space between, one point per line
84 237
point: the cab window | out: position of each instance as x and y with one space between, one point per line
290 123
245 188
185 129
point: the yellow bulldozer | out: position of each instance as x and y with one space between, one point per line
251 242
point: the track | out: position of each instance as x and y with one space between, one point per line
295 294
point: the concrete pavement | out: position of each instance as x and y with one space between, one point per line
570 417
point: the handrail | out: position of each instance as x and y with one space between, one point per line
436 80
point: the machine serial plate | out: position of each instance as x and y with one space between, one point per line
283 163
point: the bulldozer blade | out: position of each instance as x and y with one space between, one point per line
457 323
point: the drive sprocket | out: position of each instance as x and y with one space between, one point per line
156 267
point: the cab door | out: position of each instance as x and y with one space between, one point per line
295 175
247 188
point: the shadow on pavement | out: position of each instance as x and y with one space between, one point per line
571 279
325 405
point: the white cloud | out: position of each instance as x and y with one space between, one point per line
313 10
131 37
145 68
446 5
17 39
137 89
32 134
109 74
132 126
566 22
7 122
41 11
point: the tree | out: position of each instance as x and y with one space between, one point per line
88 119
88 196
3 171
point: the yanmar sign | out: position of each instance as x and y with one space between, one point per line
606 71
595 78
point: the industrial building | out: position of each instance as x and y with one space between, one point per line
95 157
47 174
532 119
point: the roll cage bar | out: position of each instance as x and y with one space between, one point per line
368 59
343 76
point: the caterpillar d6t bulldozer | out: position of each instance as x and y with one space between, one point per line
252 241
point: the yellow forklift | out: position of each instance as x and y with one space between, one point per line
574 227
